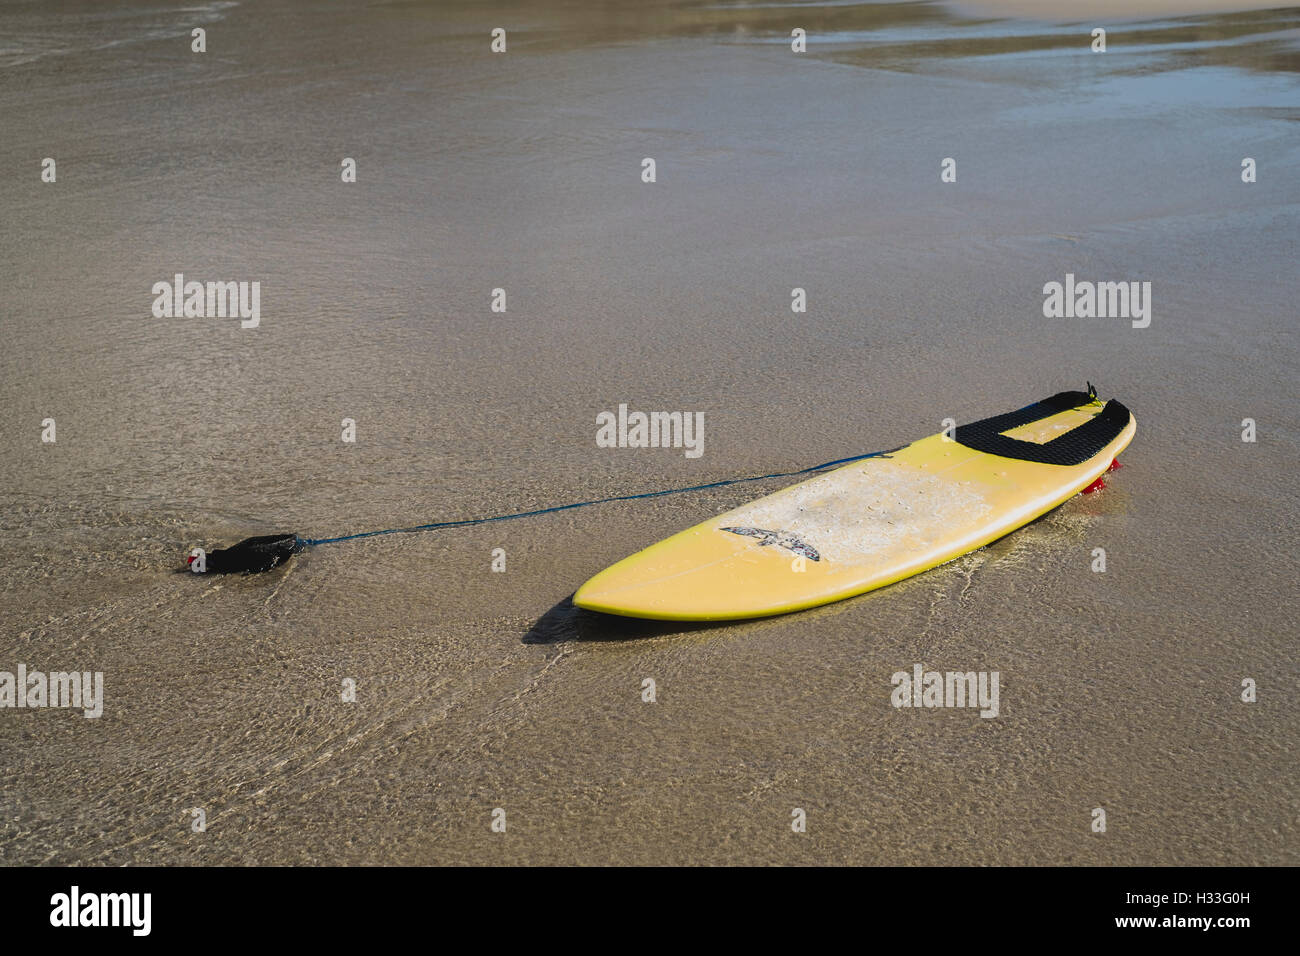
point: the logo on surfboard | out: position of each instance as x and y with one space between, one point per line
780 539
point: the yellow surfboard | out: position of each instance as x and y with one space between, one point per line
872 522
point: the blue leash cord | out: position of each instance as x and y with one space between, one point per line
310 542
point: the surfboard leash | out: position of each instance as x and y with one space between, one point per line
264 552
467 522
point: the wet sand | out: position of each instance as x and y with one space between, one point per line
478 690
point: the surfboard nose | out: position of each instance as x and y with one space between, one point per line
703 574
685 601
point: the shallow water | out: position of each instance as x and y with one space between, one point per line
479 690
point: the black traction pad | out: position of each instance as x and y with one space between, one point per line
1070 448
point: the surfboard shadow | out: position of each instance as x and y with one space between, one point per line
566 622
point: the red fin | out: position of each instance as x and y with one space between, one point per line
1097 485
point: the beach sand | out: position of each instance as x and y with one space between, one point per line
479 690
